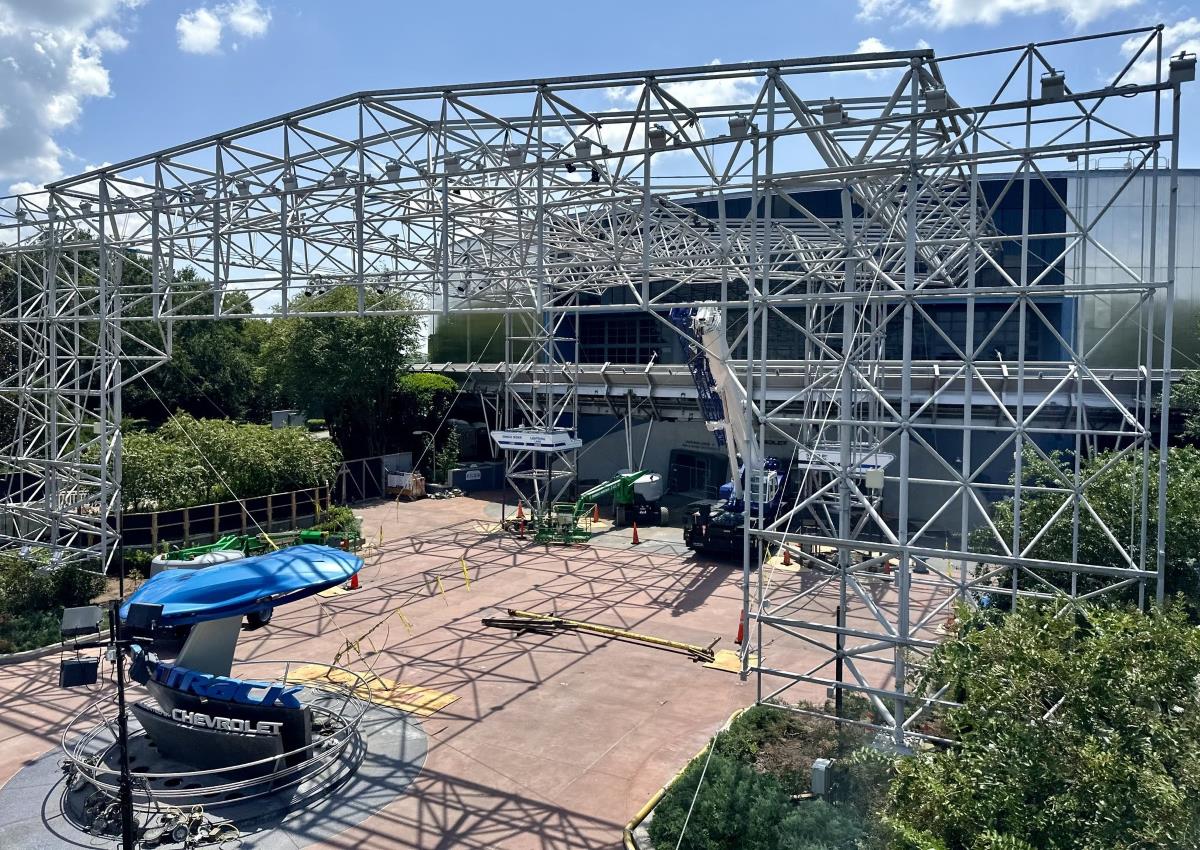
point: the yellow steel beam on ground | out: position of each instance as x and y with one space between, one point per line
410 698
699 653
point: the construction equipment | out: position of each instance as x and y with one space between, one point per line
635 499
757 484
549 624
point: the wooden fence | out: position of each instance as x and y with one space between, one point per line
206 523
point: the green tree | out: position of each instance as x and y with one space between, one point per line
1185 397
1078 731
343 369
1113 494
448 454
214 367
421 401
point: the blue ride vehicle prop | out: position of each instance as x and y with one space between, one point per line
249 587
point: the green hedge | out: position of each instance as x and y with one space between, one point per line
197 461
758 769
739 808
33 596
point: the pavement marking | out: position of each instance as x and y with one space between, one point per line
336 590
413 699
730 661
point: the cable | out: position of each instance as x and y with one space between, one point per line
695 796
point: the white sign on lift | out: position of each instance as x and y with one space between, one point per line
537 440
861 461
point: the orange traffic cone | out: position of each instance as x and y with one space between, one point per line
595 513
520 512
741 628
787 556
353 583
635 535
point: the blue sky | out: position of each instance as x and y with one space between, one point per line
83 82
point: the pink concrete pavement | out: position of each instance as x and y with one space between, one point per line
554 742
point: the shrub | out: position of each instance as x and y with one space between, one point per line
738 808
33 596
338 519
314 424
197 461
1076 732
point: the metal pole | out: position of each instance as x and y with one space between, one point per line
118 644
1164 423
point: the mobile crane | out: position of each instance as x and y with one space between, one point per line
718 527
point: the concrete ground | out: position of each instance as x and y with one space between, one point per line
554 741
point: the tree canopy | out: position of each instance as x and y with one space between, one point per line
1078 730
1113 493
344 369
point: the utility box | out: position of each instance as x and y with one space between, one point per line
822 773
472 477
287 419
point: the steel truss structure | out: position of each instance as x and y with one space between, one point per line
536 199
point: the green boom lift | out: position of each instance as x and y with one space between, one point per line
571 522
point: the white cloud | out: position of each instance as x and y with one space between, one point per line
695 93
872 45
200 30
1183 36
109 40
954 13
51 63
247 18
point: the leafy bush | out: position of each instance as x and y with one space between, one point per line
314 424
1114 484
1076 732
338 519
33 596
784 743
197 461
739 808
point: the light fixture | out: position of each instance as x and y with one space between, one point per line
290 183
570 167
595 175
657 136
515 155
833 112
339 177
22 214
739 126
1054 85
936 99
243 187
583 148
453 164
392 169
85 207
80 621
1183 68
